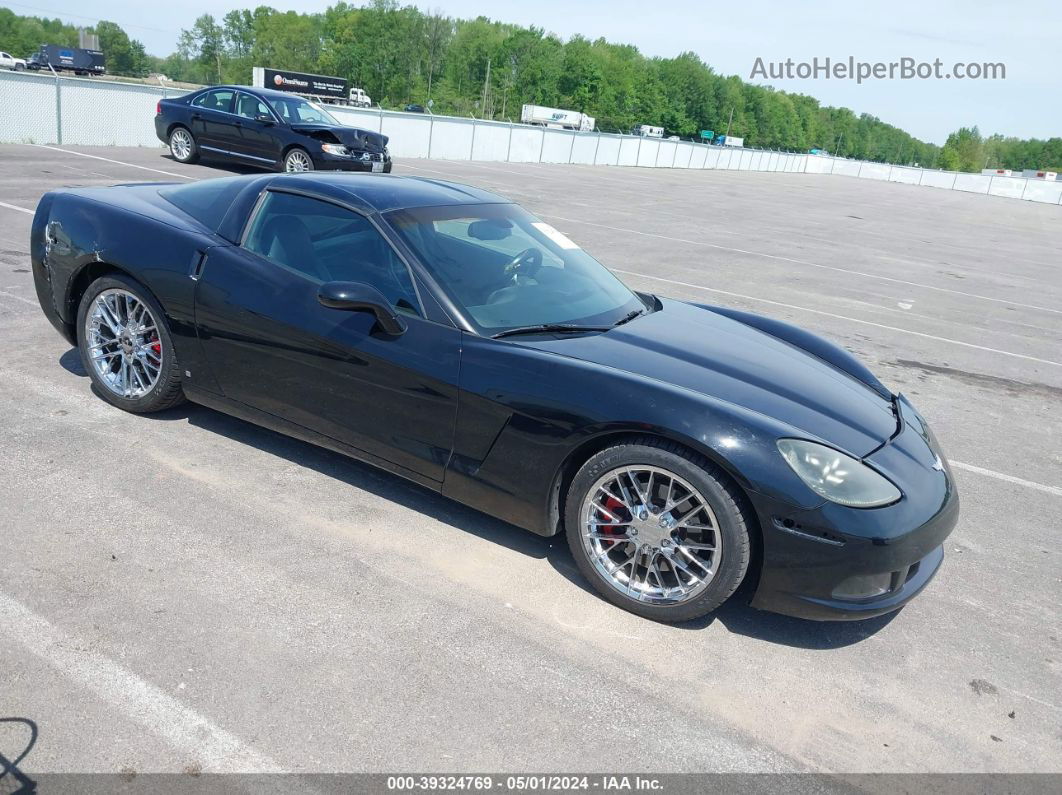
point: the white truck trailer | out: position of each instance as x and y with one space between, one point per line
648 131
556 118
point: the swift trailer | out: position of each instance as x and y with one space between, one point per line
323 87
73 59
556 118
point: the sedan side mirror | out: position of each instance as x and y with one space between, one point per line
264 118
359 297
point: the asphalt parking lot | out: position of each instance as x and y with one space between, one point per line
190 592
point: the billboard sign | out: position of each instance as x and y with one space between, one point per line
300 82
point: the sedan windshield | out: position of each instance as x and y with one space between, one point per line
296 110
506 269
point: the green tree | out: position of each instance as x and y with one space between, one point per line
124 56
203 46
963 151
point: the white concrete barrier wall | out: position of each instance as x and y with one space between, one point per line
1010 187
526 145
608 150
584 149
87 112
1036 191
876 171
938 179
905 175
974 183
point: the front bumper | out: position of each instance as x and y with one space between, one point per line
325 161
837 563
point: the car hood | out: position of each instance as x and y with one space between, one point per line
699 350
353 137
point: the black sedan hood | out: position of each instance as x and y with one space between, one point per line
697 349
352 137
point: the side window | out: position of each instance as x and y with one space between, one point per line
328 243
215 100
249 107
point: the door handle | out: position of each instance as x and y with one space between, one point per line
196 117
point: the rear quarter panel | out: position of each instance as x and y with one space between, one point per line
78 236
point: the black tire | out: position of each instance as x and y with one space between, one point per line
167 391
725 499
192 155
19 67
297 151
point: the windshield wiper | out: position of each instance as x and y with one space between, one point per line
629 317
548 328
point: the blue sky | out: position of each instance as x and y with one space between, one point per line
1025 36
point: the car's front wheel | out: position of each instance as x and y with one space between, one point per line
183 146
658 530
126 347
298 160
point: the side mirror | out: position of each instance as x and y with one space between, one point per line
359 297
264 118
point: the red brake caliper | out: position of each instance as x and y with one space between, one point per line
617 509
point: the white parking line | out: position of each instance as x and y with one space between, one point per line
118 162
842 317
13 207
218 750
809 264
6 294
1008 478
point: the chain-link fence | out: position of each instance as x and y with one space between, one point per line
46 109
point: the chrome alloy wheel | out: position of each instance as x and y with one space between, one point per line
651 535
297 160
181 144
123 343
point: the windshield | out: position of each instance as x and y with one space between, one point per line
296 110
505 268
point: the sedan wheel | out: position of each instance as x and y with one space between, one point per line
126 347
658 530
182 146
297 160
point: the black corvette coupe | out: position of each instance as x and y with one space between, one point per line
271 129
445 334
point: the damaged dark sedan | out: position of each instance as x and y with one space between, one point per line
447 335
269 129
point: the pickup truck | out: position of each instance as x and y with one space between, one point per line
10 62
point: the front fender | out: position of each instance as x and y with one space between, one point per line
524 413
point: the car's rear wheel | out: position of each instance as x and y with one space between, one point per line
126 347
658 530
19 67
183 146
298 160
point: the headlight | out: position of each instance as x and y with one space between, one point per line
334 149
836 476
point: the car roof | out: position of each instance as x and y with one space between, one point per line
383 192
268 93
